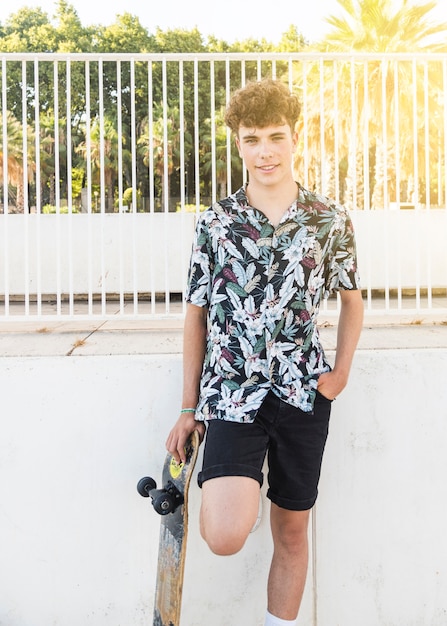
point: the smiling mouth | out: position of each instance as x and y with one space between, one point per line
267 168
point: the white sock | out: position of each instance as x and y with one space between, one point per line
271 620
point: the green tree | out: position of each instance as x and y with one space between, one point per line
70 35
126 34
291 41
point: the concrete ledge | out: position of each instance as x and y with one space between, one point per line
78 433
166 336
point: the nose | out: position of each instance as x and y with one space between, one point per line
265 149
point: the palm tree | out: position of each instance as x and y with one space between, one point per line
16 159
163 139
372 94
219 156
381 26
103 155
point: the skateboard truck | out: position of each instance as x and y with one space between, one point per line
165 500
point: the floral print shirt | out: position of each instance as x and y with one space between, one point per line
262 287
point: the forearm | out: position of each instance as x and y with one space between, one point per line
194 345
349 328
350 322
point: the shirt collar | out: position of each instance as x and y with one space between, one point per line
242 200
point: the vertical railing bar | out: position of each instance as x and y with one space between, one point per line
397 162
135 233
122 223
415 137
367 206
323 176
165 181
69 191
444 74
38 189
182 134
293 90
213 133
444 86
416 182
243 82
182 179
5 189
427 187
366 187
102 193
426 136
229 137
165 137
26 210
183 264
196 136
336 134
88 153
57 178
352 139
384 69
305 127
150 114
386 213
150 108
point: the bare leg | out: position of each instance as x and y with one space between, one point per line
229 510
289 563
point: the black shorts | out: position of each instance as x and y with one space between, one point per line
294 441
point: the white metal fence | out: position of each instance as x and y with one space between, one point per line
105 160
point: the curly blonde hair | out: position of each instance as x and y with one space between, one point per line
258 104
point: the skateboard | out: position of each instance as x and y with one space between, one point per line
171 503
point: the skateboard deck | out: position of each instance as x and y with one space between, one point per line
171 503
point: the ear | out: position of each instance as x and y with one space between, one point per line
238 144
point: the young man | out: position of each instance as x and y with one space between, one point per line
254 368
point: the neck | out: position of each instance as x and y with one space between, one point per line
273 202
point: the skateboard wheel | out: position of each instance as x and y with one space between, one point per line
145 485
164 503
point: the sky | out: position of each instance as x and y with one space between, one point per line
229 20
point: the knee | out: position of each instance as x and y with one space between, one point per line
292 539
223 543
291 534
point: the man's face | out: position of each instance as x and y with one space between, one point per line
267 152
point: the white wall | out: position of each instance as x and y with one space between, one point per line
150 252
74 253
78 545
402 248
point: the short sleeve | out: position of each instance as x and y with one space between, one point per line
343 270
198 290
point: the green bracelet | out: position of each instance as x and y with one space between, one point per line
188 411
